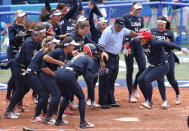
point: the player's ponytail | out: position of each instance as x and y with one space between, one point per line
45 46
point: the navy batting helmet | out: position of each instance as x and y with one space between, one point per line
90 49
49 28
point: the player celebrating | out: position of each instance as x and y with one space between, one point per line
66 78
163 32
133 22
158 62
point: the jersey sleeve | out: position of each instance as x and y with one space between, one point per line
54 54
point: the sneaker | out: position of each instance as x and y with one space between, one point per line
72 108
165 105
61 122
35 99
68 111
86 125
136 94
94 105
16 113
74 104
37 119
88 102
10 115
132 99
178 101
43 115
49 121
141 107
147 105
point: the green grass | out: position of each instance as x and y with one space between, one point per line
4 75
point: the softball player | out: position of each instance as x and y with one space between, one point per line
18 68
48 45
54 21
49 65
80 36
95 33
66 78
163 32
16 38
158 63
134 22
66 15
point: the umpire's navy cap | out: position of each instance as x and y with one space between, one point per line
120 22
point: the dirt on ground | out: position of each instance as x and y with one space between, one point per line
155 119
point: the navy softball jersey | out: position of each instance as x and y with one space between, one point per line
83 40
57 54
155 52
167 34
134 23
70 3
36 61
15 41
57 30
64 21
83 66
28 49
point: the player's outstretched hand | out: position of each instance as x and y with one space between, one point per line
184 50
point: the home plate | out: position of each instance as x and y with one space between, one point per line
128 119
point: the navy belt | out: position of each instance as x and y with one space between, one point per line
158 64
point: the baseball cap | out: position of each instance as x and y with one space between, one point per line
56 12
137 6
53 41
120 22
20 13
69 41
80 19
102 20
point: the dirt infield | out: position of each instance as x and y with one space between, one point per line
156 119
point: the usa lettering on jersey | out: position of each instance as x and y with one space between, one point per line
135 23
161 37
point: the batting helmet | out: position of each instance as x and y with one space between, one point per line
145 33
49 28
90 49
